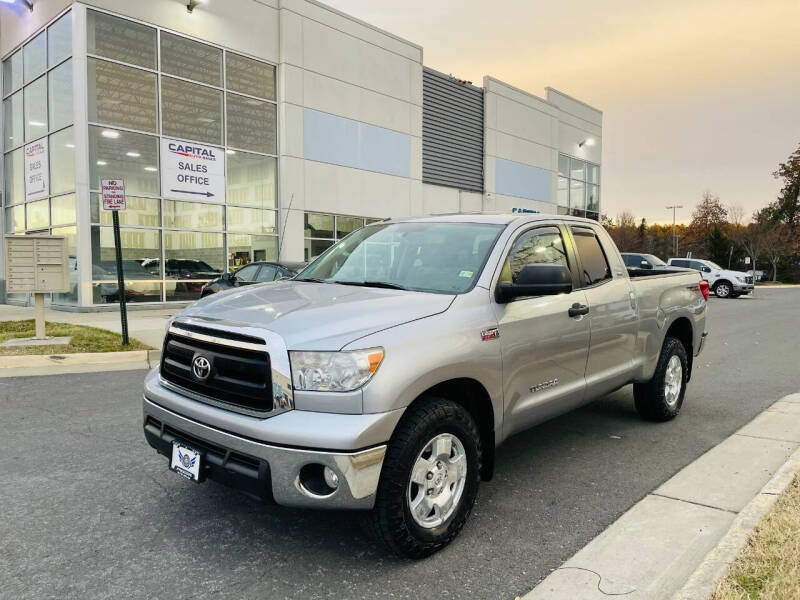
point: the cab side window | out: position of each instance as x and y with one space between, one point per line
683 263
542 245
632 260
247 273
267 273
592 258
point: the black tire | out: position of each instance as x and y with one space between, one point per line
650 398
723 289
390 521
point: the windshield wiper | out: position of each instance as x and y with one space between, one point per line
311 279
377 284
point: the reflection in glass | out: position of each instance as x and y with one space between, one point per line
135 291
62 161
190 111
35 56
593 173
71 234
59 88
123 155
250 220
12 121
577 199
250 76
59 40
142 212
12 73
251 124
316 247
37 214
243 249
563 165
13 172
120 39
192 215
251 179
345 225
193 255
577 169
563 191
593 198
35 95
62 210
318 225
122 96
191 60
140 247
15 219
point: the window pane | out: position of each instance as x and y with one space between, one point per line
142 212
563 191
122 96
12 72
251 124
267 273
14 175
592 173
38 214
192 255
12 121
563 165
345 225
60 89
35 57
121 40
138 247
540 246
247 273
35 95
71 234
316 247
247 248
62 210
191 111
577 169
59 40
191 60
577 200
62 161
251 179
593 198
117 154
369 220
15 219
192 215
594 216
593 260
250 76
318 225
251 220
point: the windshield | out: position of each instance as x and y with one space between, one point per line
655 260
428 257
713 265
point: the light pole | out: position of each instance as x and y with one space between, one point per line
673 208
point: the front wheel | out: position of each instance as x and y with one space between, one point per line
429 480
723 289
661 398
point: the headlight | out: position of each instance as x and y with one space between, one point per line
334 371
740 278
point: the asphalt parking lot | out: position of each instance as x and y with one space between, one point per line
90 511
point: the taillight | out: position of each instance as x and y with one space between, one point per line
704 290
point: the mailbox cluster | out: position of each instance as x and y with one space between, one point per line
36 264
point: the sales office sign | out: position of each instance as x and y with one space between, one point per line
191 171
37 180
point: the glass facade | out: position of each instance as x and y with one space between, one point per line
173 86
578 187
322 230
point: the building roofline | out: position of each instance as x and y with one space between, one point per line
548 88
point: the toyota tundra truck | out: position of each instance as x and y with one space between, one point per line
383 377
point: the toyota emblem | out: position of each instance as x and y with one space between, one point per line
201 367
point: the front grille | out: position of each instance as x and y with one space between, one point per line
748 279
239 377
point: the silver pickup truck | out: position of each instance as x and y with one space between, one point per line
386 373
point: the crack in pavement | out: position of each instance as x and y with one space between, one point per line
599 581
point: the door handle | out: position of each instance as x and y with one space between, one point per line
576 310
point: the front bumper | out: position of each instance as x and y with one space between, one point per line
742 288
264 470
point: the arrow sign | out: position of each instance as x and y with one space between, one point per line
206 194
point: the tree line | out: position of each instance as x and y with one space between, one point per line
719 232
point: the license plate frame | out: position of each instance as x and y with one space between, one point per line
186 461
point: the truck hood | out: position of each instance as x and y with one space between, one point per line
318 316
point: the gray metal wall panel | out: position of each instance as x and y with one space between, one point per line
452 132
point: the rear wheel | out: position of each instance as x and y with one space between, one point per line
661 398
723 289
429 480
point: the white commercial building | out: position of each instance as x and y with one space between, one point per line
255 130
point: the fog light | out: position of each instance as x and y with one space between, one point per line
331 478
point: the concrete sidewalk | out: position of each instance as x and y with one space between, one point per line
653 549
147 326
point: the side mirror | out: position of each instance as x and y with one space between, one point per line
705 269
645 265
229 276
536 280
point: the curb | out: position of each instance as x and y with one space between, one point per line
703 580
82 362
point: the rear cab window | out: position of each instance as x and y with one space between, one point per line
594 264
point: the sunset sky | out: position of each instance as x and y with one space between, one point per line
696 95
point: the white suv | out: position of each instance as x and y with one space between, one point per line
724 283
